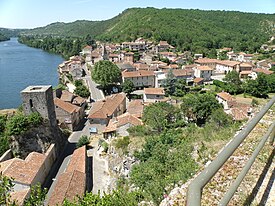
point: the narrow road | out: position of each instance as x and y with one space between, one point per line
96 93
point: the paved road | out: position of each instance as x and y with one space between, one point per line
97 94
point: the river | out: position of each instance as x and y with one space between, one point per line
21 66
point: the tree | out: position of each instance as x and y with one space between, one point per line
169 83
128 87
5 187
162 115
37 196
106 73
82 91
180 88
258 87
234 84
219 118
198 107
83 140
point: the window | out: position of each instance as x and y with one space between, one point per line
31 104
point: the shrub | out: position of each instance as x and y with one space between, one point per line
84 140
122 144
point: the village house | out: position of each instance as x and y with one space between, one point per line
128 57
243 57
204 72
198 56
87 50
160 77
72 183
232 56
153 95
118 125
135 108
263 64
67 114
224 98
169 55
207 62
198 81
140 78
114 57
163 46
28 172
126 67
245 70
225 66
265 71
104 110
141 66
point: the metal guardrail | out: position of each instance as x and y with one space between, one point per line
194 192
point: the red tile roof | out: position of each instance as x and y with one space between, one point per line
226 96
198 80
135 107
206 61
103 109
156 91
265 71
140 73
68 107
122 120
204 68
23 171
72 182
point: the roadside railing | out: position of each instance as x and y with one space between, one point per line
194 192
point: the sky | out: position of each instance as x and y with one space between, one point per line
37 13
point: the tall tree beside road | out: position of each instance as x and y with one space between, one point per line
106 73
128 87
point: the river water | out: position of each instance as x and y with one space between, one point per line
21 66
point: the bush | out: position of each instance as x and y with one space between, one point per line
122 144
34 119
17 124
139 130
84 140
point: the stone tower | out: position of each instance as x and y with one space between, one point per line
39 99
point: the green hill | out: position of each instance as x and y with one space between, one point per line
194 30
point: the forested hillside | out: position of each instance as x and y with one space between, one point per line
194 30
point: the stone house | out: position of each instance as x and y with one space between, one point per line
140 78
119 125
224 98
104 110
204 72
67 114
73 181
163 46
135 108
226 66
28 172
207 62
153 95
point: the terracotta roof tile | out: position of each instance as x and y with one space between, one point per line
24 171
265 71
198 80
68 107
67 96
72 182
205 61
204 68
78 160
140 73
135 107
122 120
104 108
157 91
20 196
226 96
